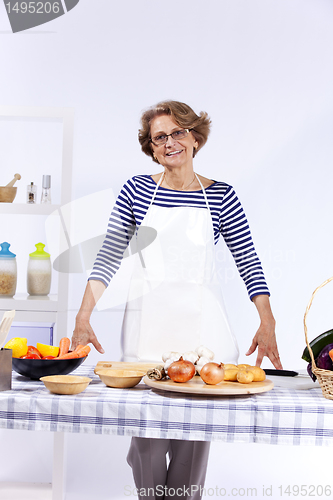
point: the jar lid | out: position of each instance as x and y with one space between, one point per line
5 253
39 253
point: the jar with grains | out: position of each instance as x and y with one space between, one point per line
39 271
8 271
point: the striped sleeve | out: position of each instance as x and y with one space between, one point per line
121 227
235 230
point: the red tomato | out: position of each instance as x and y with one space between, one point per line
31 356
48 357
33 350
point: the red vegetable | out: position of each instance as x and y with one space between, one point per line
33 350
31 356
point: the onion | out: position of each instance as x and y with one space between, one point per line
212 373
181 370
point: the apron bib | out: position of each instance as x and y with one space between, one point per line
175 302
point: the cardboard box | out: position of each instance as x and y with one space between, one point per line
33 331
5 369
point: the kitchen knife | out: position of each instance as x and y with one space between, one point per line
280 373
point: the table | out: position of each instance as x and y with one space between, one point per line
279 416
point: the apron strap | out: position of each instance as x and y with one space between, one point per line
157 186
205 196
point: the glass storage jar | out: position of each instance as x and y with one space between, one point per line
39 271
8 271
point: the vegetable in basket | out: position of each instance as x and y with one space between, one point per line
317 345
311 374
323 361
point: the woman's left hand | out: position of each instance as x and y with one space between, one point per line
265 338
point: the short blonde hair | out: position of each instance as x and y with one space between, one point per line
183 115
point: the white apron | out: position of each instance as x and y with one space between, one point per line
175 302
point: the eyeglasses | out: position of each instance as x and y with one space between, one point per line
161 139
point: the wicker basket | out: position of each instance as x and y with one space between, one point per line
325 377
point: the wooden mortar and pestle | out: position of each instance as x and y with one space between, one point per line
8 192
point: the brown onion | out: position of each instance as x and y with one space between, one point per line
181 370
212 373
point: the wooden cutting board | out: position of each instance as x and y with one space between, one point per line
198 386
123 365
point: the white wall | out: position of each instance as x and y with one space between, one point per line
261 69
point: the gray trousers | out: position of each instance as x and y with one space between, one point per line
183 478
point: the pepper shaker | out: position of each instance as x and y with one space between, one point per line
46 189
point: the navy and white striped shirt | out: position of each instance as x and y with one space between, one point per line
228 219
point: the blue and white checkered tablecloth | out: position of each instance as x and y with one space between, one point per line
279 416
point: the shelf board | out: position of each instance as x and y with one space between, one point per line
25 302
27 209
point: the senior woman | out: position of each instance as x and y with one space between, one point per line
175 303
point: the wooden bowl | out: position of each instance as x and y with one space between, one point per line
66 384
7 194
120 379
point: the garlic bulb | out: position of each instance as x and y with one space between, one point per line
168 362
204 351
176 354
191 356
200 363
166 355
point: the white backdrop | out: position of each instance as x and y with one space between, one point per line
263 71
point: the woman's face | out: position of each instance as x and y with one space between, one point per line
175 153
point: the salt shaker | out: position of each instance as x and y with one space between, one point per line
39 271
8 271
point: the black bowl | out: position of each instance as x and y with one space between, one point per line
36 368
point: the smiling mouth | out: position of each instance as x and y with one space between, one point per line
173 153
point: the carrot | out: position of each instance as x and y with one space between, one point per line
64 346
80 352
83 351
78 347
69 355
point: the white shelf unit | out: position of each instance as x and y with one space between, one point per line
26 209
53 308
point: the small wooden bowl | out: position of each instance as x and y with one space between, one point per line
7 194
66 384
120 379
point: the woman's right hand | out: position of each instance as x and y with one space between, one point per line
83 334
